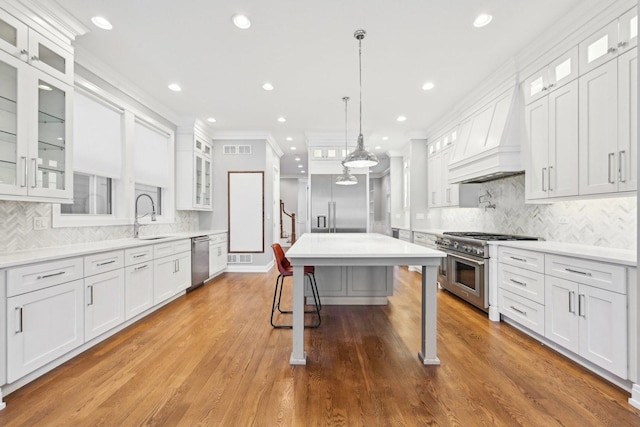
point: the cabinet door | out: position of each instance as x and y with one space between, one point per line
206 184
449 191
561 313
219 255
198 180
42 326
536 86
434 176
563 141
536 176
13 126
49 151
628 121
371 281
563 70
13 36
182 276
51 58
138 289
600 47
104 295
603 329
599 129
163 280
628 31
331 281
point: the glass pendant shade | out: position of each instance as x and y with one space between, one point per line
346 178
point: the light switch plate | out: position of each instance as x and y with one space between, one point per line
40 223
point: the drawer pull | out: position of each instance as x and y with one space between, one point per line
584 273
141 255
19 310
142 267
524 313
46 276
518 282
518 259
100 264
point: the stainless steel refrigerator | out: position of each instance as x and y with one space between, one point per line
338 208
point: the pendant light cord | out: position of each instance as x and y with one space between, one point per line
360 67
346 148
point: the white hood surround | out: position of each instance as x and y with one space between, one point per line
489 140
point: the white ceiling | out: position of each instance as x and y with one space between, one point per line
306 49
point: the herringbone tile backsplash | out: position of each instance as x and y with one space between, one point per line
16 227
608 222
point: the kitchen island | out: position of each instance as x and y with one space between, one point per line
360 249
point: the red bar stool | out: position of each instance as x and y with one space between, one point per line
286 270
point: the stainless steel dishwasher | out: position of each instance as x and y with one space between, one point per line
199 261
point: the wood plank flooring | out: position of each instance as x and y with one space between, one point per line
212 359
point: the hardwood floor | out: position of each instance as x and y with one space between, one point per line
211 358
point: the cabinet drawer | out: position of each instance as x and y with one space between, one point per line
601 275
525 283
528 313
404 235
419 238
100 263
137 255
218 238
529 260
32 277
170 248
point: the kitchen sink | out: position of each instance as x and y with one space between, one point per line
154 237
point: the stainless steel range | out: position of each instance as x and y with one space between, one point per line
465 270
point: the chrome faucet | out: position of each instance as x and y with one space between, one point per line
136 224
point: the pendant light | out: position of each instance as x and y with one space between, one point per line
346 178
360 158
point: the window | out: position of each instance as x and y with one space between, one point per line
144 206
92 195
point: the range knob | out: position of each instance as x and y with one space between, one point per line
455 245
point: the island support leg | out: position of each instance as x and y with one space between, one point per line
429 342
298 355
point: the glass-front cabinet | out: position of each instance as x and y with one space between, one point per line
194 170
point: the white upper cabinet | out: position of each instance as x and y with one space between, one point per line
558 73
628 31
194 170
627 121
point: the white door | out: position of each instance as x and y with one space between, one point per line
42 326
628 121
138 289
599 129
104 302
182 275
163 280
561 313
603 329
563 141
537 120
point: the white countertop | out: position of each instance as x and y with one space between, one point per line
56 252
611 255
357 245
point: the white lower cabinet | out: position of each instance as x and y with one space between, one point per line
42 326
171 275
104 306
589 321
217 253
138 294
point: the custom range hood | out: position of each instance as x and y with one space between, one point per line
488 146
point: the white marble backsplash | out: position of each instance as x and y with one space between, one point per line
16 227
607 222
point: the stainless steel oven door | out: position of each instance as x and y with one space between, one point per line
466 277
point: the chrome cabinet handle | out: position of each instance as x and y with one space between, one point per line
621 176
612 50
518 259
24 52
524 313
25 178
544 171
549 178
584 273
46 276
35 58
475 261
581 308
622 44
518 282
100 264
19 310
219 251
572 308
139 256
610 156
35 172
90 294
142 267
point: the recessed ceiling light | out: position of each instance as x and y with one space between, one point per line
299 166
385 138
211 120
297 159
241 21
102 22
482 20
293 148
282 119
289 138
303 171
44 87
378 147
175 87
401 118
428 86
267 86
